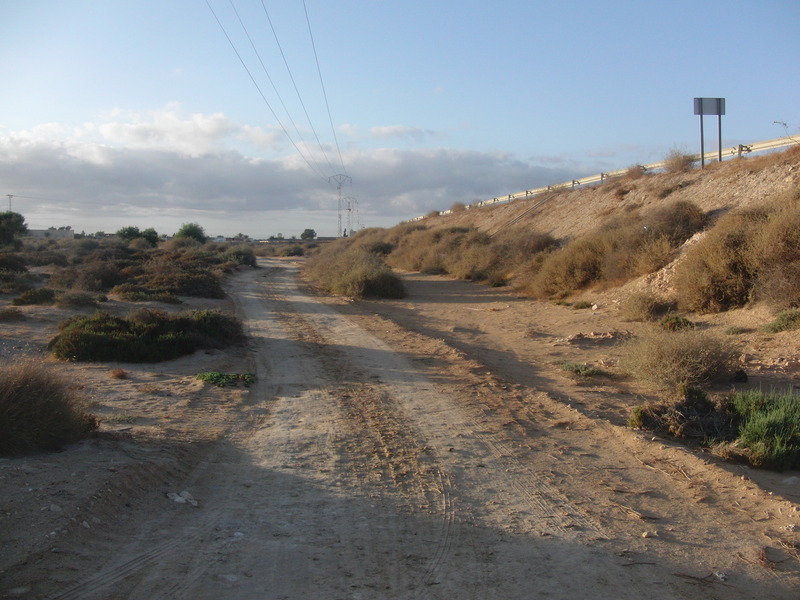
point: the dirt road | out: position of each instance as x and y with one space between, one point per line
388 450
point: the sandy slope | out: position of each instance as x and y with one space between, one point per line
421 448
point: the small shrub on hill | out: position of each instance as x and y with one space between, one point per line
677 161
643 306
39 409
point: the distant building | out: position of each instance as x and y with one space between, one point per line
52 234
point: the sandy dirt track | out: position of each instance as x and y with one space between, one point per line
422 448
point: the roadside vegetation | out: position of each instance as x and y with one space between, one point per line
739 258
39 409
145 335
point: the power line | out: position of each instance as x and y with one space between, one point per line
261 93
322 84
294 83
272 83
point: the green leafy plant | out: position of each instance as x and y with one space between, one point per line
769 427
226 379
787 320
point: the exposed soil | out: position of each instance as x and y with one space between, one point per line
430 447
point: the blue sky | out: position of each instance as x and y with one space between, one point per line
139 112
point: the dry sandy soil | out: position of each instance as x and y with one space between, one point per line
429 447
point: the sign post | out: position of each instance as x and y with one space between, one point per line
709 106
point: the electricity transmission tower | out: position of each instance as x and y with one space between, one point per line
344 203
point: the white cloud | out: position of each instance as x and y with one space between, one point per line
150 168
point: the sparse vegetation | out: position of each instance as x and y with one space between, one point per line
643 306
672 359
748 255
355 272
226 379
769 427
39 410
36 296
678 161
787 320
144 336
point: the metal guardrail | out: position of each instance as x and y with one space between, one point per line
600 178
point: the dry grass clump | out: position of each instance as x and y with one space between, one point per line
624 247
39 409
354 271
677 161
643 306
468 253
11 314
751 254
672 359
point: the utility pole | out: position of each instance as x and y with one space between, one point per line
10 196
340 179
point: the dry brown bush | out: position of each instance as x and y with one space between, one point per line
750 254
677 161
678 358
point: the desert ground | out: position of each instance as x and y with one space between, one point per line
429 447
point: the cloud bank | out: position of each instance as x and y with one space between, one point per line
161 168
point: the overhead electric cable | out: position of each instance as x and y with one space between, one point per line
322 83
294 83
261 93
274 87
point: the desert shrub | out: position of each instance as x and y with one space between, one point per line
693 415
785 321
39 410
241 255
11 261
226 379
458 207
678 358
677 161
569 269
643 306
76 300
11 314
582 305
624 247
581 369
36 296
675 323
355 272
717 273
144 336
769 427
751 254
138 293
119 373
14 282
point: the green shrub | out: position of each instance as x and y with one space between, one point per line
582 305
36 296
226 379
674 359
675 323
144 336
39 409
769 427
581 369
788 320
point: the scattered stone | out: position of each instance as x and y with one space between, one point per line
183 498
55 508
720 575
85 525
